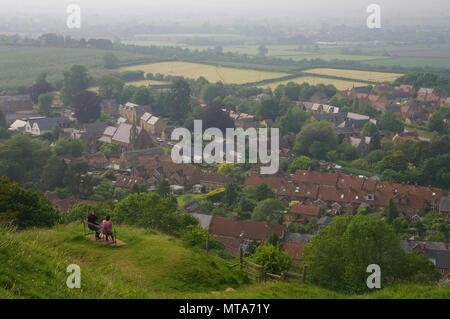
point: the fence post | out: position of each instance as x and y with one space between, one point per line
283 276
262 275
304 273
241 257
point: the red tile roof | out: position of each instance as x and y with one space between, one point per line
305 210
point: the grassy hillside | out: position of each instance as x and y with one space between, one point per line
151 265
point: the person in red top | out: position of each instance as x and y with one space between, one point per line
107 228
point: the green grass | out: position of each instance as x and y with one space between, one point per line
152 265
19 66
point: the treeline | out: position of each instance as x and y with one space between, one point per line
426 79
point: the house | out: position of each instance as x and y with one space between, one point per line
152 124
192 207
127 136
166 133
89 134
133 112
362 144
96 160
266 123
323 222
444 207
65 205
203 219
15 103
293 244
110 107
127 181
441 259
299 212
42 125
18 126
425 94
210 181
234 233
406 136
130 158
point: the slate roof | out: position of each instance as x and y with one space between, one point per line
134 155
48 123
123 133
297 238
444 205
441 258
203 219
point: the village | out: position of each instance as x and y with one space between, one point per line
130 152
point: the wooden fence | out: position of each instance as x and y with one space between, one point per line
257 272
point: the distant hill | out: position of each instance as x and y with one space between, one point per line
152 265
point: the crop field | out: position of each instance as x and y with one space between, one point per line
209 72
357 75
135 83
312 80
19 66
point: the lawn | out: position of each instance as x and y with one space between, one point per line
210 72
356 75
313 80
151 265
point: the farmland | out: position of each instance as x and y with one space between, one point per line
19 66
356 75
209 72
314 80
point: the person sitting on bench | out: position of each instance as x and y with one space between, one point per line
94 225
107 228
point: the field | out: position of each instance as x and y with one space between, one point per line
357 75
152 265
19 66
136 83
437 56
210 72
314 80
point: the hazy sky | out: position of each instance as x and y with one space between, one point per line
217 11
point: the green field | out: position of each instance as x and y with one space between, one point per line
209 72
19 66
356 75
152 265
314 80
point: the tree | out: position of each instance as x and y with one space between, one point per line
145 210
370 129
69 146
39 88
75 80
213 116
390 211
274 260
300 162
262 50
390 122
74 176
87 106
110 86
53 173
267 109
163 188
263 191
24 208
436 123
338 256
321 132
45 103
269 208
180 94
212 91
292 121
231 194
226 168
141 96
110 61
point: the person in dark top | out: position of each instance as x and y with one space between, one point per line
94 225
